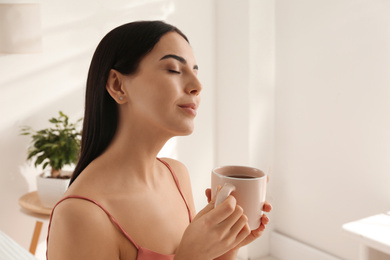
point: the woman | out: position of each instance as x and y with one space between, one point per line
123 202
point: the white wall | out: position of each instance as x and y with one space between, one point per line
245 90
34 87
332 132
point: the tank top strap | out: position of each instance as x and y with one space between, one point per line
116 223
178 186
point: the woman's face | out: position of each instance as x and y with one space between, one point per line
164 92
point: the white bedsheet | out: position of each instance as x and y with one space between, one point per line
10 250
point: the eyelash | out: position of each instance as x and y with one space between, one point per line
174 71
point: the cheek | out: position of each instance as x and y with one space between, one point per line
157 86
156 91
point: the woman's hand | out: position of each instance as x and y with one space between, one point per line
214 231
254 234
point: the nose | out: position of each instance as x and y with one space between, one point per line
194 87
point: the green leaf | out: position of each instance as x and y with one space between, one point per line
45 165
57 145
40 159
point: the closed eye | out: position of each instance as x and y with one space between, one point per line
174 71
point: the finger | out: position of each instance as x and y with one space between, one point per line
230 221
264 219
267 207
259 231
208 194
219 188
205 210
239 225
222 211
244 233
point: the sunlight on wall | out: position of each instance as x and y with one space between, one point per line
169 149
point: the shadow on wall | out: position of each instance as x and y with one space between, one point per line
18 177
24 79
61 66
131 10
113 15
43 89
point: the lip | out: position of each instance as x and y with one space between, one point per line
189 108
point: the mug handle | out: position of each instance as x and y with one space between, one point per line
222 195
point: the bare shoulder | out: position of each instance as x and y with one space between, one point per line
180 170
78 230
183 177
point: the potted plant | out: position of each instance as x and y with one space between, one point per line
56 147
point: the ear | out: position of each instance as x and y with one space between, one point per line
115 86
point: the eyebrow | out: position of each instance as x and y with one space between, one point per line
179 58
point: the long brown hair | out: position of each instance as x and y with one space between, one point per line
121 49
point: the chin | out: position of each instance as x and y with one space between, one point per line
182 128
185 131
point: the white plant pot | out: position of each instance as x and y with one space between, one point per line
50 190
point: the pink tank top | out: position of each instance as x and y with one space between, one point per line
143 253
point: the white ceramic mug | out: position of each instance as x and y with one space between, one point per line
246 184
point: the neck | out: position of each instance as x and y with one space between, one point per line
134 149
